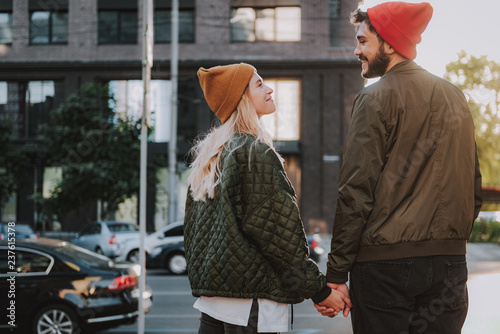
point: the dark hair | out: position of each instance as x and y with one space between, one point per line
358 17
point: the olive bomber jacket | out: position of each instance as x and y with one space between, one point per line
249 241
410 183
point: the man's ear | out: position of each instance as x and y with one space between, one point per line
389 50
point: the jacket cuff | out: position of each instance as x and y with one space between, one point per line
322 295
336 277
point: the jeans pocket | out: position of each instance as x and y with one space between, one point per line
383 283
455 292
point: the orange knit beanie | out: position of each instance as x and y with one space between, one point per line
223 87
401 24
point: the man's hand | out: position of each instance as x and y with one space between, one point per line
331 306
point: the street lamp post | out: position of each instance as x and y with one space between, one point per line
147 62
172 143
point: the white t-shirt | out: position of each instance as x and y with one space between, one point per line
273 316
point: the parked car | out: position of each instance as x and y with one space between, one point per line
172 233
315 251
53 286
106 237
21 231
170 256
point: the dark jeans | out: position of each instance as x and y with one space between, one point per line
209 325
409 296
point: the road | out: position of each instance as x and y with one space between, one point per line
172 310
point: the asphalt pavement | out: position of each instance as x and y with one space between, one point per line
173 313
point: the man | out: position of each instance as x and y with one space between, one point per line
409 188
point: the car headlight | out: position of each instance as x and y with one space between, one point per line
156 251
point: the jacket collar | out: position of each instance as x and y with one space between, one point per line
404 66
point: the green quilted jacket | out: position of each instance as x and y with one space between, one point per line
249 241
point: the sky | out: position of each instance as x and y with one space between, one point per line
456 25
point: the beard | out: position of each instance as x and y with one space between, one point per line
377 66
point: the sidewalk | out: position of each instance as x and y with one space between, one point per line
484 289
484 286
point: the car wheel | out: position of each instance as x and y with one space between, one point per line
176 263
56 319
133 256
98 250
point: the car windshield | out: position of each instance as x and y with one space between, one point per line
89 258
123 228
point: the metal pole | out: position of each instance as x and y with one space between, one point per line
147 60
172 143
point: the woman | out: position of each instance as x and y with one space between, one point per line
245 244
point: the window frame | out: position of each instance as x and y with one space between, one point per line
50 27
261 8
177 231
335 21
120 12
93 229
19 249
9 13
276 80
184 10
25 113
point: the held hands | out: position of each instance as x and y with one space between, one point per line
336 302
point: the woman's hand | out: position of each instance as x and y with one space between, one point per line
337 301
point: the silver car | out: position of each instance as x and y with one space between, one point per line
107 237
170 234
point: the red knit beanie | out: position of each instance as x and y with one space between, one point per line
401 24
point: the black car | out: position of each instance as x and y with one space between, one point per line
170 256
52 286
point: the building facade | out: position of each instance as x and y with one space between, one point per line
302 49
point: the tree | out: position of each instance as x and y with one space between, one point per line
479 79
99 154
12 165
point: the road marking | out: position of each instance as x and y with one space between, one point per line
183 330
172 293
176 330
173 316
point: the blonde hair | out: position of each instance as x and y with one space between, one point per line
205 169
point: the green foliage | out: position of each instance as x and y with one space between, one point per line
12 164
98 152
485 231
479 79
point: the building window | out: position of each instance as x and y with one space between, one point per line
6 28
284 123
127 104
280 24
117 27
163 26
28 104
336 22
334 8
52 176
49 27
